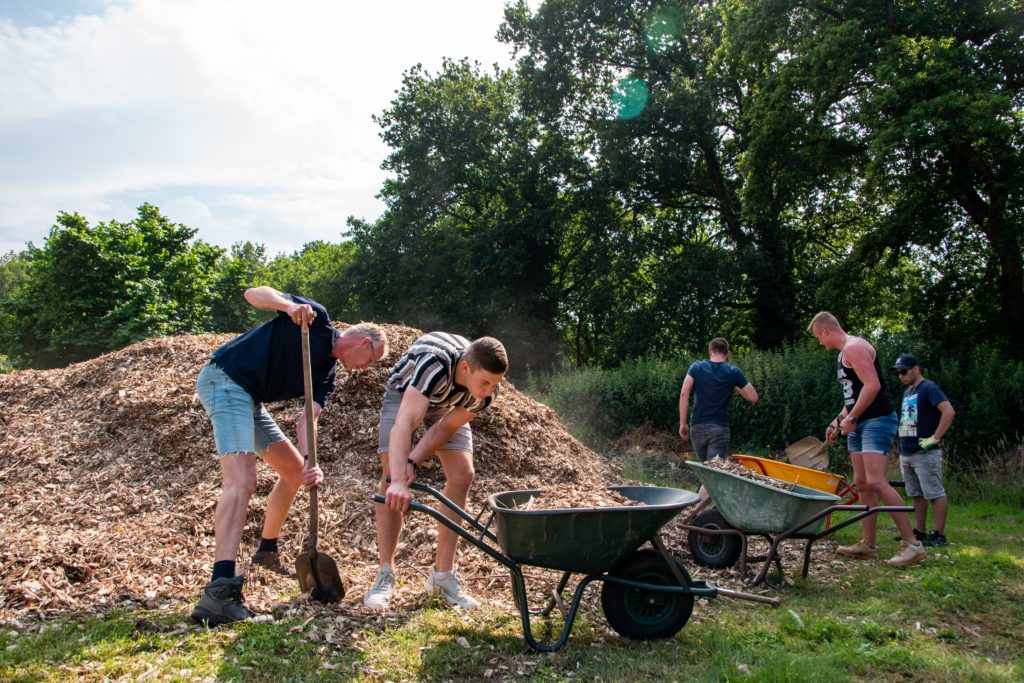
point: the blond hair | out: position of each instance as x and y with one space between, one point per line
824 319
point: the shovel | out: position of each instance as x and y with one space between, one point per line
808 452
317 573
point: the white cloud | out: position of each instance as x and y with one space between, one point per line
249 119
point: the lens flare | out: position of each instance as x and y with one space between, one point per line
661 29
629 98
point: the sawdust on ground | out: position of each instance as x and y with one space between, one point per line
109 481
109 485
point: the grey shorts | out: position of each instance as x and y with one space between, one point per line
240 425
461 440
922 474
710 440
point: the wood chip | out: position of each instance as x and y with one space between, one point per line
732 467
562 496
109 488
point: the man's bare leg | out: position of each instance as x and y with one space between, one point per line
459 473
238 472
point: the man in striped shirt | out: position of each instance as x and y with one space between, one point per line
441 382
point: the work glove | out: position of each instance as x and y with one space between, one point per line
930 442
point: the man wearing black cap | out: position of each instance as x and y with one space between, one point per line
924 419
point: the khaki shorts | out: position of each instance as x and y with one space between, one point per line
461 440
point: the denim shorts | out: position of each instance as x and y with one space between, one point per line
922 474
876 435
710 440
239 424
461 440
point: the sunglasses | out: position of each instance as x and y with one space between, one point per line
902 372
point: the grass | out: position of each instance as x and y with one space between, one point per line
958 616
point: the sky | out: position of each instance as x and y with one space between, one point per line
246 119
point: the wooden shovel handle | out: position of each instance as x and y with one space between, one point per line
307 377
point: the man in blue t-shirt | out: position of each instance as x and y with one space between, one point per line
712 383
261 366
925 417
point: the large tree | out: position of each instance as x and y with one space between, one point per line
820 146
943 112
471 230
91 289
691 128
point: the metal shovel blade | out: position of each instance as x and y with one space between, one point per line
318 576
808 452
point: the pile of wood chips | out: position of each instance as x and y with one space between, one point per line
732 467
109 483
566 496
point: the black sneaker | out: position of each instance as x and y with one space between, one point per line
918 536
221 603
268 559
934 539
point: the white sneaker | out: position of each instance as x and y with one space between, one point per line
910 553
446 584
379 595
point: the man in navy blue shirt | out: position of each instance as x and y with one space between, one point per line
712 383
925 417
261 366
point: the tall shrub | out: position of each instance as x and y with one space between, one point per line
799 395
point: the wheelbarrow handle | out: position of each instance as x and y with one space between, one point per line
443 519
452 505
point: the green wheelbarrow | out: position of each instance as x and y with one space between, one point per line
647 592
745 507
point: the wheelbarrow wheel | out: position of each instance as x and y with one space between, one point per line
646 614
713 550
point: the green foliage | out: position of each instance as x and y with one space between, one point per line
320 271
91 289
244 267
843 157
14 269
472 226
798 396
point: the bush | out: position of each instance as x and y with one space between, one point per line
799 396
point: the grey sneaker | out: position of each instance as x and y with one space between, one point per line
859 551
446 584
910 553
379 595
270 560
935 539
222 603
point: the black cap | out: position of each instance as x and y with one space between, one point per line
905 362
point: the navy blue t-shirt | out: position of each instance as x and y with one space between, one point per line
919 418
713 385
266 361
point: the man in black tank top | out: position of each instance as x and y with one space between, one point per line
868 421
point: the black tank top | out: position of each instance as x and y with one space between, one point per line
852 386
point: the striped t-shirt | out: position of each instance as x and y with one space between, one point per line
429 366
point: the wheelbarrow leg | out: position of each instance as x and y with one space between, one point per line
807 555
556 598
660 545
